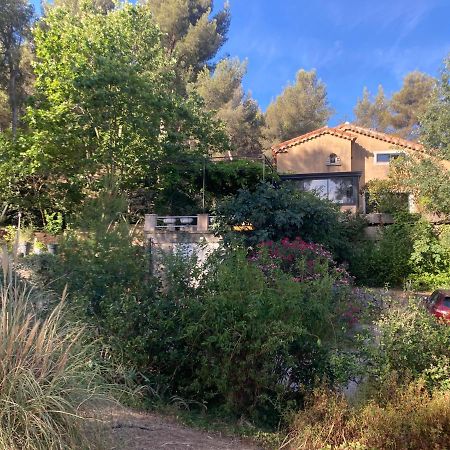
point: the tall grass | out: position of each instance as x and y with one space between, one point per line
47 377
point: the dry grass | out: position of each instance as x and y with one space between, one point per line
47 377
411 419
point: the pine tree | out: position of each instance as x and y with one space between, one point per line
300 108
374 113
409 103
363 110
190 32
15 23
223 93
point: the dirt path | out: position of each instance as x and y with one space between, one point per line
148 431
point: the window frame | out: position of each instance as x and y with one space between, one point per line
386 152
354 179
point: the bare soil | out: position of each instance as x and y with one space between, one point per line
132 430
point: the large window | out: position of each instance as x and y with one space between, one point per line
342 190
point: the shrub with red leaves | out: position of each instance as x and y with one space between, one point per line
305 261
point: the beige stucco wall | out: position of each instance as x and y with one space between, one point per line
366 147
311 156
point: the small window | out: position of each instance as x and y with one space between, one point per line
386 158
333 160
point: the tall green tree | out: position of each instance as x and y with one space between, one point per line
373 113
104 107
224 94
410 103
15 24
300 108
190 32
429 176
400 114
76 7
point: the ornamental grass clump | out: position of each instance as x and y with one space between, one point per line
47 379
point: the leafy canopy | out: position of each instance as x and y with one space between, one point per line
104 105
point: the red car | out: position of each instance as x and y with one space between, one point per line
439 304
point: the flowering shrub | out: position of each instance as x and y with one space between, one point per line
305 261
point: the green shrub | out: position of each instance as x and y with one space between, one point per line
411 342
430 258
249 341
387 260
286 211
48 377
381 197
108 277
411 250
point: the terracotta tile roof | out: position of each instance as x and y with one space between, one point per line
312 135
350 132
404 143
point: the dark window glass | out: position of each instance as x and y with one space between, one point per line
342 190
446 302
386 157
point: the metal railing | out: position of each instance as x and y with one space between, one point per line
199 223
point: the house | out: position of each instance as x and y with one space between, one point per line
337 162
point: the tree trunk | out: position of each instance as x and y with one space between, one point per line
12 91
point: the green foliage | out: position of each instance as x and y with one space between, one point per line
236 338
53 222
301 107
386 260
429 255
104 106
383 198
436 119
191 34
278 212
410 102
411 343
401 113
428 177
223 93
372 113
271 213
246 340
15 24
411 251
78 7
225 178
107 276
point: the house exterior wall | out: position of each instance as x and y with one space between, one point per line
311 156
357 156
306 162
366 148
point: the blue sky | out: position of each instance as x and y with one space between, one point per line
351 44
